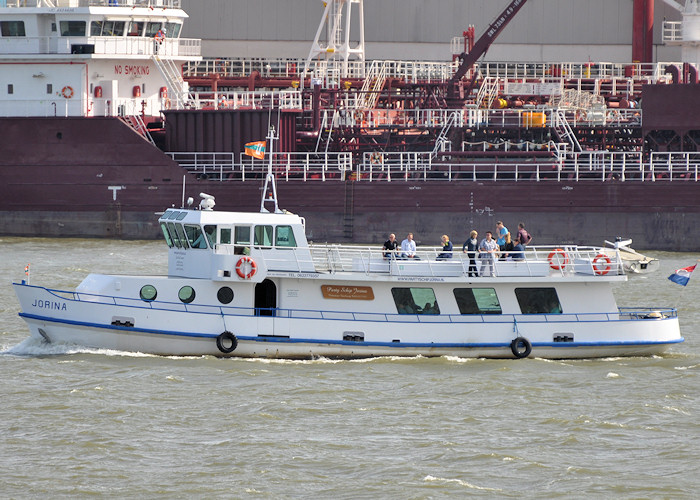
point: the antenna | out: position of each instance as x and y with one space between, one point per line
269 178
183 192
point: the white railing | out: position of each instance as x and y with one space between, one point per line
172 4
103 45
284 99
672 31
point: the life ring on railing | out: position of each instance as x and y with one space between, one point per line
598 268
243 262
521 347
558 259
67 92
375 159
226 342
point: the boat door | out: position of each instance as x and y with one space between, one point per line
266 306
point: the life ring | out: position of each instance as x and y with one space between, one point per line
521 347
226 342
598 268
375 159
242 263
559 256
67 92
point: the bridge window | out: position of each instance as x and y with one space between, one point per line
166 233
195 236
181 235
96 28
136 28
263 236
172 30
415 301
538 300
174 235
113 28
477 301
12 28
242 240
210 233
285 237
225 235
72 28
152 29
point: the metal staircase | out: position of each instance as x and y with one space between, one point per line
178 89
442 140
487 92
372 86
138 125
564 131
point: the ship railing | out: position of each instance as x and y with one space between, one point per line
171 4
284 99
286 166
102 45
672 32
540 261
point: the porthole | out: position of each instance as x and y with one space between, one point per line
186 294
148 293
225 295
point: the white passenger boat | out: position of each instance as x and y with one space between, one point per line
250 285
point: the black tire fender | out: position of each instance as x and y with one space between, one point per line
521 347
226 342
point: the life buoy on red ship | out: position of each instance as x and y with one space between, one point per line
226 342
601 264
67 92
98 91
558 259
243 263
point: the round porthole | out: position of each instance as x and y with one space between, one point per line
186 294
225 295
148 293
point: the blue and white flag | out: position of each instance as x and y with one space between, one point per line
682 276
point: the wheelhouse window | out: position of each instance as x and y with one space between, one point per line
136 28
72 28
172 30
242 240
538 300
210 233
166 234
12 28
285 237
96 28
181 235
113 28
263 236
477 301
152 29
415 301
195 236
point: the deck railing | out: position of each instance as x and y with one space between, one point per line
172 4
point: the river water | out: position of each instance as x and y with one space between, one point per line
80 423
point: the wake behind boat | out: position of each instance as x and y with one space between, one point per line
250 285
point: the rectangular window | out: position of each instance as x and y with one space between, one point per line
242 240
225 235
181 235
96 28
152 29
49 88
285 237
166 233
12 28
113 28
263 236
136 28
72 28
10 88
538 300
415 301
174 235
195 236
172 30
210 233
477 301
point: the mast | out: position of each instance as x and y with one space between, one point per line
270 196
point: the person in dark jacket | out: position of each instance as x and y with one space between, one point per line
470 247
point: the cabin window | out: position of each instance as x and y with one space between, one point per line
12 28
172 30
148 293
152 29
166 233
181 235
263 236
10 88
477 301
538 300
415 301
225 235
49 88
113 28
72 28
285 237
225 295
195 236
242 240
210 233
96 28
136 28
186 294
174 235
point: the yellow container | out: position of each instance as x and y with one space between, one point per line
534 119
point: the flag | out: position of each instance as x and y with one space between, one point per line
256 149
682 276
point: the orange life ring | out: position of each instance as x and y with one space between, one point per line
242 263
559 256
598 268
67 92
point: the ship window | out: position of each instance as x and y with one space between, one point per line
10 88
174 235
186 294
477 301
166 233
152 29
148 293
225 235
415 301
12 28
225 295
181 215
263 236
72 28
113 28
96 28
285 237
242 240
136 28
538 300
181 235
210 232
49 88
172 30
195 236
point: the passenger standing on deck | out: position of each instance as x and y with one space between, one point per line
408 247
501 232
470 247
524 237
446 248
390 246
518 252
507 248
488 251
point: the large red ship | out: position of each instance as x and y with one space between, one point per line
108 116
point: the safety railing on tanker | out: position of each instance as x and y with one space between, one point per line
173 4
284 99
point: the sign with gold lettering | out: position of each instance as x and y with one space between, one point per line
347 292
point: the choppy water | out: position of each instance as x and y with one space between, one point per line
85 423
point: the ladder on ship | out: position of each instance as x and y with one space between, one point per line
442 140
564 131
327 124
372 86
178 89
136 123
487 92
